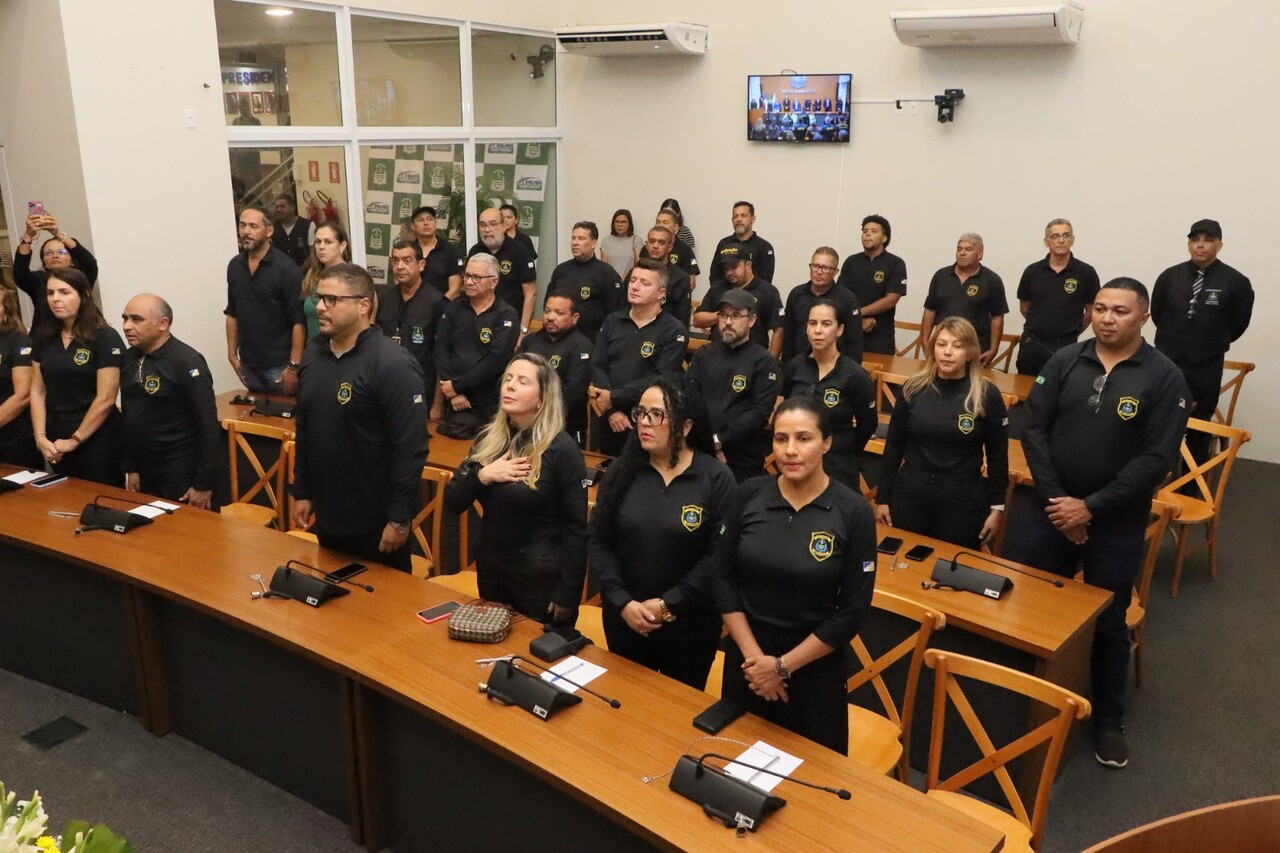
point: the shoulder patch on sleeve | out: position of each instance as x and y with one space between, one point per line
193 372
586 356
417 398
115 350
869 565
680 338
506 324
1040 379
24 350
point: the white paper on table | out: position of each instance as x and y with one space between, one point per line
147 511
573 667
762 754
24 477
165 505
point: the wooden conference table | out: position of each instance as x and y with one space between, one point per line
368 713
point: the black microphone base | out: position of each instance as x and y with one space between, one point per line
741 804
301 586
969 579
513 686
117 520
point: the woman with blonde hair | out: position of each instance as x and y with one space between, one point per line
948 416
330 248
529 477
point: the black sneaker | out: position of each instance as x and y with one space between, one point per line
1109 745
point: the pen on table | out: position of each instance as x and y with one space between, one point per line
57 513
560 675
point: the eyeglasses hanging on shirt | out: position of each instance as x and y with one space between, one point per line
1095 402
1196 287
141 362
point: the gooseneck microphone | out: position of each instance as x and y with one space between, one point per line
842 793
1055 581
322 575
95 516
612 703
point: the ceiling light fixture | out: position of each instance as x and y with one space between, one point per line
279 13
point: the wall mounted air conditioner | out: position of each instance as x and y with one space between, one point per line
634 39
1053 23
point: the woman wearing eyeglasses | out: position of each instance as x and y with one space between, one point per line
74 383
949 419
653 534
60 251
529 477
16 447
330 248
797 566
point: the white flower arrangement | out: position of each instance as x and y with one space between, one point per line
24 825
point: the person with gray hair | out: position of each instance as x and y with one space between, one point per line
171 430
969 290
474 343
1055 296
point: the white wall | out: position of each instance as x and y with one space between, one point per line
1160 117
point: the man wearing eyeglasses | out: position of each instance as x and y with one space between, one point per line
739 274
821 285
59 251
1055 296
738 379
878 278
475 341
518 278
1200 307
1107 416
361 428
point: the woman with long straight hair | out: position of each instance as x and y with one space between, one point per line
529 477
330 249
949 420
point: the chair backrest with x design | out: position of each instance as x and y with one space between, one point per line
428 524
914 347
1231 388
1210 476
1003 358
269 479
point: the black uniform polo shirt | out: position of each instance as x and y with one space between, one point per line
628 357
1113 458
70 374
297 243
362 434
1222 313
681 255
472 350
570 357
762 258
739 387
441 262
515 269
977 300
847 393
1057 299
596 288
170 411
266 305
768 307
15 351
796 319
662 543
35 284
871 279
413 324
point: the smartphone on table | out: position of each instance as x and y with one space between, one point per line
440 611
918 553
889 545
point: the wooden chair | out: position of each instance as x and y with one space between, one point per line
1003 359
434 481
1207 508
715 678
882 741
270 480
1024 829
591 624
1136 615
915 346
305 536
464 581
1231 388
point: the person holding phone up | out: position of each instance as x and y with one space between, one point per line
59 251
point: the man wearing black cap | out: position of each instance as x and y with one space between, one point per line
879 279
739 273
1200 307
739 383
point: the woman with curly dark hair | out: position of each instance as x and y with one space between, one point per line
651 547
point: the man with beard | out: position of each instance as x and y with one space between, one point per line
518 279
561 342
744 223
265 326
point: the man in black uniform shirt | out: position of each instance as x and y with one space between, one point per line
739 383
409 309
744 223
1125 403
361 428
739 271
1200 308
878 278
681 253
1055 296
443 265
795 315
171 430
561 342
971 291
678 301
518 282
293 235
475 341
632 348
596 287
265 326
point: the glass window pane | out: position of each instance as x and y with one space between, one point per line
514 79
523 175
397 180
407 74
278 69
315 178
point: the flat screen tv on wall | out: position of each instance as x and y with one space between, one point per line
798 108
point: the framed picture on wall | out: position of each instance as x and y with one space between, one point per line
269 102
233 103
257 102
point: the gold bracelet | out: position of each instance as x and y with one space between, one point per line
75 436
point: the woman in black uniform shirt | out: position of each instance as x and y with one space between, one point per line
947 416
797 568
842 387
528 475
16 446
653 536
74 385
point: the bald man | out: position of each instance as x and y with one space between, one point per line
171 417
